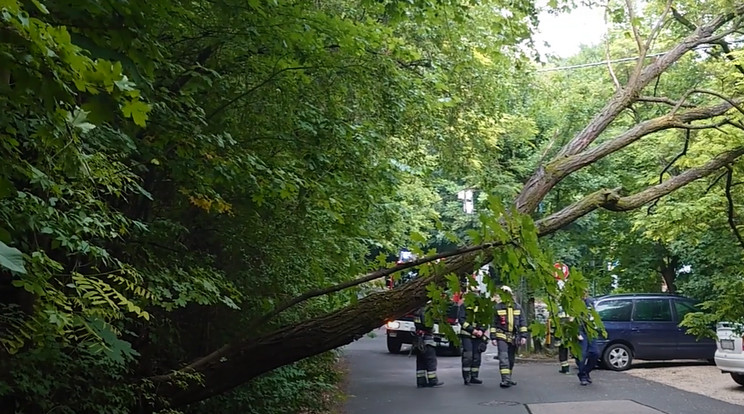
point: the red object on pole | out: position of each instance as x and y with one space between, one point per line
563 274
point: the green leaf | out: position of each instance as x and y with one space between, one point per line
11 259
42 8
418 237
474 235
78 119
137 110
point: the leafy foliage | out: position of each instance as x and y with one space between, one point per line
174 170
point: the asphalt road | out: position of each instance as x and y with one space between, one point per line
380 382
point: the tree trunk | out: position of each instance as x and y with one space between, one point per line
236 363
669 273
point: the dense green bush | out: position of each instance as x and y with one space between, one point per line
310 386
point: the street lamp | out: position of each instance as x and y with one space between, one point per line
467 200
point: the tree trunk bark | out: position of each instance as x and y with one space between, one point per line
236 363
669 273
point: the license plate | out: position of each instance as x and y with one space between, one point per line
727 344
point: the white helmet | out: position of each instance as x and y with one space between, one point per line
507 289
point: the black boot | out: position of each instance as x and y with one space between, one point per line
565 369
434 382
421 380
474 378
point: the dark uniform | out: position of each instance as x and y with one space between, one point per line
589 351
472 345
426 357
507 329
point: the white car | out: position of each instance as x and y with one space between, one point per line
730 352
403 331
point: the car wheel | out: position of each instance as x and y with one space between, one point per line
617 357
738 378
394 345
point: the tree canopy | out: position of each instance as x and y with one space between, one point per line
197 196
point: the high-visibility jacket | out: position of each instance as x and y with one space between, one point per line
465 318
508 322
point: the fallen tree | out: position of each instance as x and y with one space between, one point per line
243 360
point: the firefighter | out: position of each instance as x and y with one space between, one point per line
508 331
589 349
474 339
562 349
426 357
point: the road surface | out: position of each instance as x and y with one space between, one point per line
380 382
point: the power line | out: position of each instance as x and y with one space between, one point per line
604 62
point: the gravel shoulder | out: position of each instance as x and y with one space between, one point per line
698 377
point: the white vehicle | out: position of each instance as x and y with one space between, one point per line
403 331
730 351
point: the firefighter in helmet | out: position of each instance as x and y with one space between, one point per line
426 356
508 331
474 339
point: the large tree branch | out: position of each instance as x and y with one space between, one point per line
236 363
722 43
730 202
671 163
541 182
560 168
253 88
659 24
664 100
612 200
367 278
636 34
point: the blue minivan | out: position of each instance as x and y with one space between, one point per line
646 326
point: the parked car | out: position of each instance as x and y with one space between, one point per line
730 352
402 331
646 326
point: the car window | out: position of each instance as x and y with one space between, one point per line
683 308
652 310
617 310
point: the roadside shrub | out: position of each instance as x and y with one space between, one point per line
309 386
